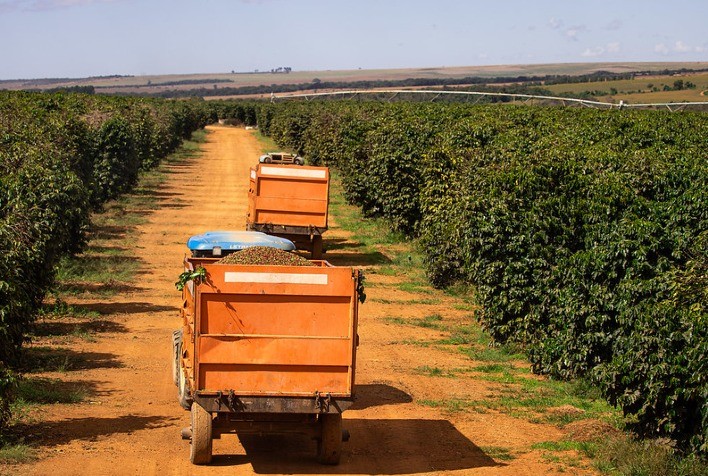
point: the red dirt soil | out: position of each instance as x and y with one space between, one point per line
131 422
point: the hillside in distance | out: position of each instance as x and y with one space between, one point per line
155 84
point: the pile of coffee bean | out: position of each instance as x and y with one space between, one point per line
265 255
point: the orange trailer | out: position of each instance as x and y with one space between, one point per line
290 202
267 349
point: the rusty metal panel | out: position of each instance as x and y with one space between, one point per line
288 196
273 330
242 314
275 350
276 380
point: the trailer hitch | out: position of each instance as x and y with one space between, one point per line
322 402
217 400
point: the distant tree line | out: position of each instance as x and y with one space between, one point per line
523 81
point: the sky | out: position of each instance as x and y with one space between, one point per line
80 38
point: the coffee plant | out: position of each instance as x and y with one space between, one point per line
62 155
583 232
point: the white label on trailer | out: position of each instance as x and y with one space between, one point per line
293 172
275 278
253 174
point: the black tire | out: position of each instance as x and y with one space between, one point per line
299 161
176 354
268 160
316 247
200 447
183 395
329 445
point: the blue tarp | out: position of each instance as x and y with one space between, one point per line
236 240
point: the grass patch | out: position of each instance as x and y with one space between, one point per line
432 321
417 343
565 445
37 390
189 148
452 405
624 456
97 269
17 453
415 287
60 309
498 453
494 368
438 372
464 307
46 359
548 401
407 302
462 335
267 144
502 353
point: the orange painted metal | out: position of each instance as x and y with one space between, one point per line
283 196
271 330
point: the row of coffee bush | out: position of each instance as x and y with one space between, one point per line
61 156
583 232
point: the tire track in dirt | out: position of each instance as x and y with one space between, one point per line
131 422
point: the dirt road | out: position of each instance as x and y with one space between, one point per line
131 421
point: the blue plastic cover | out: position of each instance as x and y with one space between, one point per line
236 240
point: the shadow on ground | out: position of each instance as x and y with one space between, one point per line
126 307
342 252
376 447
49 434
60 359
378 394
109 232
356 258
46 391
67 328
80 287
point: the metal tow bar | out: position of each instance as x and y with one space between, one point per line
322 402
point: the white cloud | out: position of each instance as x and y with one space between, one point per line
661 48
681 47
555 23
609 48
593 52
572 34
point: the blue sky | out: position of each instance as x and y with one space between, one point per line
78 38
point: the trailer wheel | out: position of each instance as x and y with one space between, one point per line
200 449
329 446
185 399
176 351
316 247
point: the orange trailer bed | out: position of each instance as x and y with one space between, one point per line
270 331
290 201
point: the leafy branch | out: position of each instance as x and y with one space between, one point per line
198 275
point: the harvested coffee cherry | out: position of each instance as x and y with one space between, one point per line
265 255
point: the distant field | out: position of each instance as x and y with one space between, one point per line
640 89
153 84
